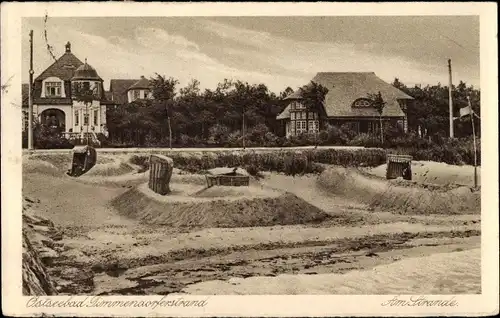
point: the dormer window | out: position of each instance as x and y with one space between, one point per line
86 86
362 103
53 89
137 94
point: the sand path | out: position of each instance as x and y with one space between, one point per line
70 203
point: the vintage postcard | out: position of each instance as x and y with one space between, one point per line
249 159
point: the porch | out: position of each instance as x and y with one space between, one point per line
83 138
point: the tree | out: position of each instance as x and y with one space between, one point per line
163 90
428 112
378 103
286 92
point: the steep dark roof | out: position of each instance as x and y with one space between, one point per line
118 89
86 72
345 88
143 83
63 67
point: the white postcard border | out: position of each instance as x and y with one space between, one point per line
329 305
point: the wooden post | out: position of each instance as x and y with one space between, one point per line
30 96
474 139
450 100
160 172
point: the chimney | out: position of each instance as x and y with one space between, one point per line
68 47
142 77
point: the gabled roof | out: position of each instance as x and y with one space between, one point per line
118 89
63 67
143 83
345 88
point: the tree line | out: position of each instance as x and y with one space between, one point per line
429 112
195 117
191 117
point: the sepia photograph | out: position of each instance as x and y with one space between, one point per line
250 155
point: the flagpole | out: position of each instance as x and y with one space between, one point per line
30 97
474 137
450 99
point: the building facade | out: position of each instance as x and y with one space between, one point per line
69 97
57 103
348 101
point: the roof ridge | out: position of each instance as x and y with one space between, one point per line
55 62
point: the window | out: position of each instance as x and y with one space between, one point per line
77 118
300 105
96 89
292 116
86 86
362 102
86 119
53 89
292 127
96 114
313 126
137 94
301 127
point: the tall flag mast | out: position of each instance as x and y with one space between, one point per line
450 99
30 96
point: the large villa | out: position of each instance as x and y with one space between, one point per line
55 103
347 102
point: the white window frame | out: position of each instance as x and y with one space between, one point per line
299 105
301 127
313 126
57 89
362 103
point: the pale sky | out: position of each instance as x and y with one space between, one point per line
277 51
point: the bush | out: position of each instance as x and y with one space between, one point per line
365 140
46 138
289 162
142 161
